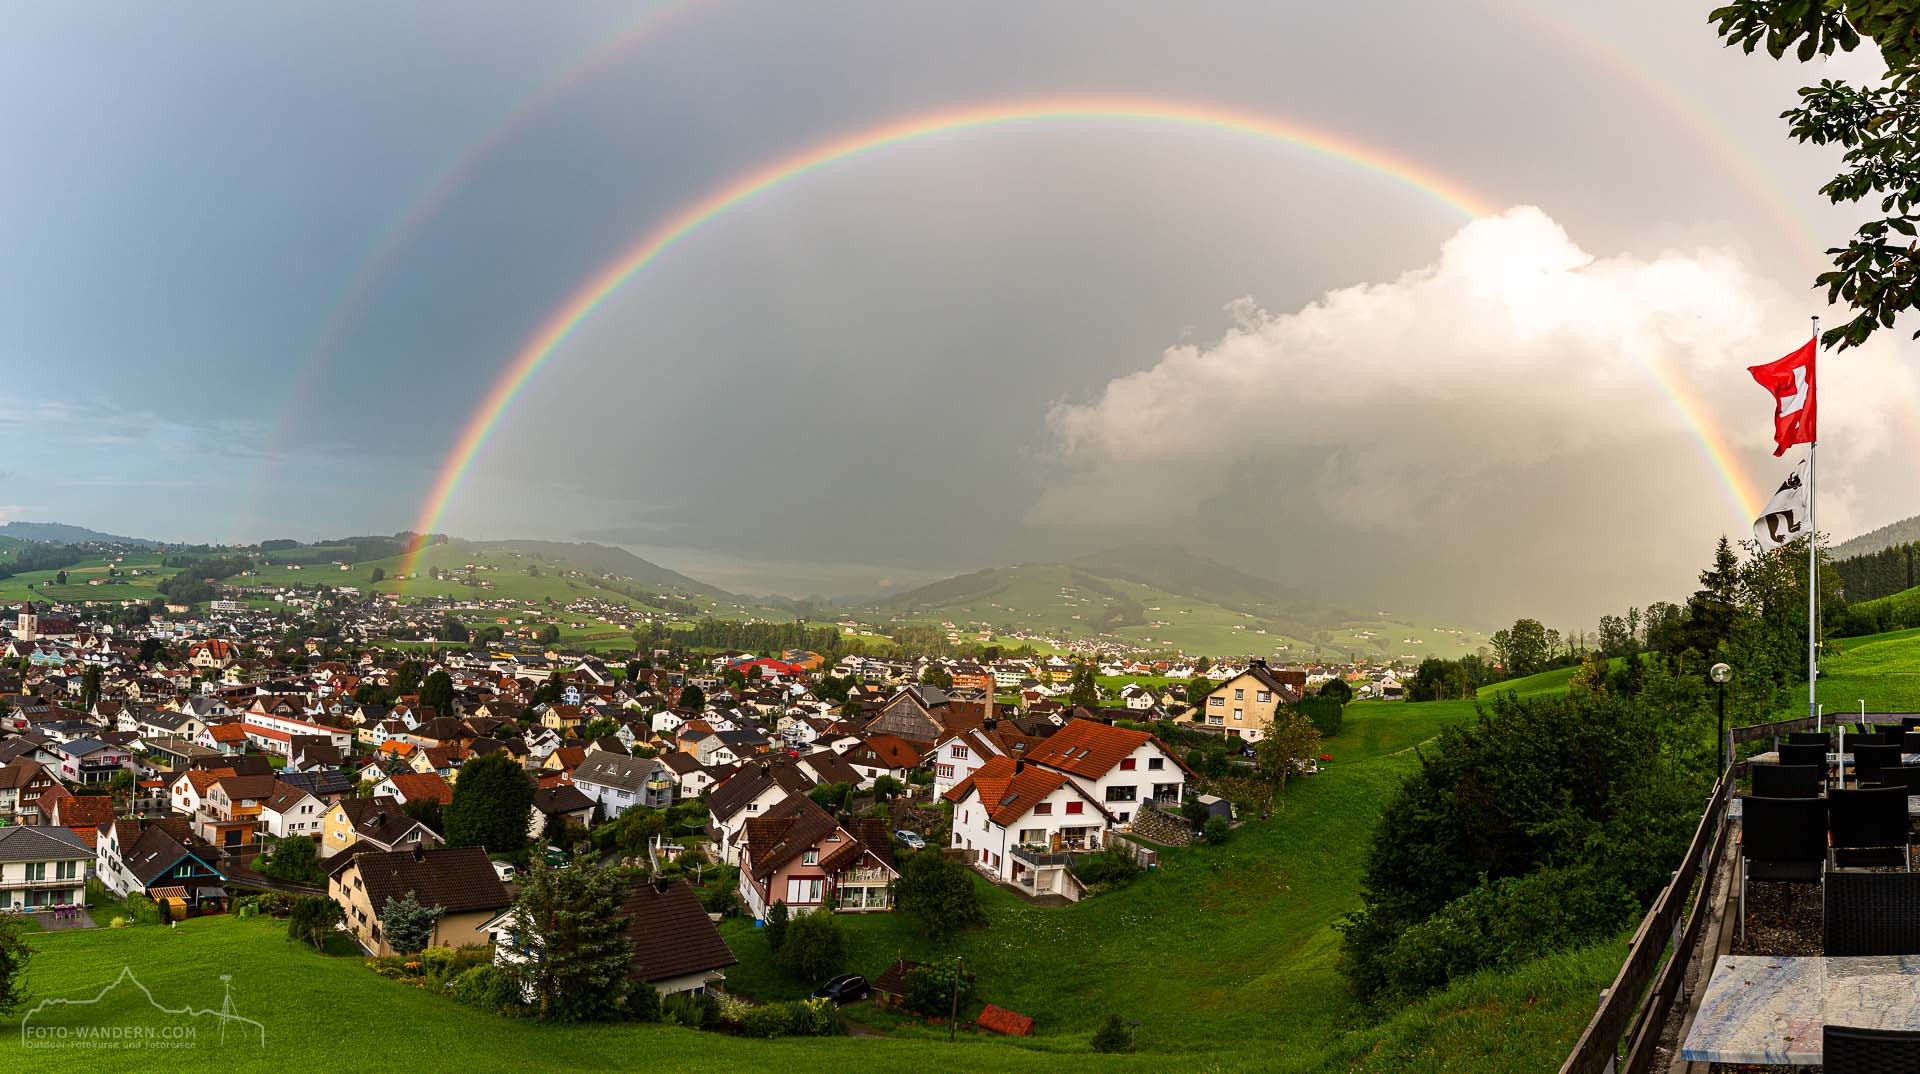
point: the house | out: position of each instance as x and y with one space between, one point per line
22 782
89 760
749 792
883 755
1118 767
890 988
187 794
692 777
229 814
797 853
292 811
460 880
406 787
226 738
42 866
616 782
161 861
376 822
1020 823
565 801
676 948
1242 706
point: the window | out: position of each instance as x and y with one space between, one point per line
1239 694
803 891
1239 714
1263 696
1033 835
1216 702
1127 764
959 751
809 857
1076 807
1043 809
944 771
1123 794
1155 764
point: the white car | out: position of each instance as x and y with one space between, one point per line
911 839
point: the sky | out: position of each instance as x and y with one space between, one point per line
266 263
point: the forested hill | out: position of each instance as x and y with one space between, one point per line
1906 531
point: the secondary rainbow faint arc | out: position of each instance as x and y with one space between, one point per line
558 328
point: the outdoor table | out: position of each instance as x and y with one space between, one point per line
1773 757
1735 811
1770 1009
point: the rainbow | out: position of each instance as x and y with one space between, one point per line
557 329
434 194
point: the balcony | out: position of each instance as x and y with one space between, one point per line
1059 853
36 885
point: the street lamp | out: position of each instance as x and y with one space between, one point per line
1721 674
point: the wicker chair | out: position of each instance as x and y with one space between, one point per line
1907 776
1869 827
1869 761
1783 840
1847 1050
1890 728
1790 780
1809 738
1873 914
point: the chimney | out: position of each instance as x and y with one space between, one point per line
661 884
419 852
1019 766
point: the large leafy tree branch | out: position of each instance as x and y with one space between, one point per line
1878 272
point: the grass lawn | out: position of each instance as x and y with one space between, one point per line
1882 669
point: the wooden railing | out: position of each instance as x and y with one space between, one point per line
1625 1031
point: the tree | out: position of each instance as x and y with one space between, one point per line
491 802
552 691
599 727
90 686
1523 648
1338 689
454 630
886 788
1290 743
1085 691
777 918
1112 1036
570 916
379 575
815 947
14 957
936 676
1878 127
549 634
407 925
939 893
1197 690
427 811
437 693
692 697
294 859
311 918
934 989
60 578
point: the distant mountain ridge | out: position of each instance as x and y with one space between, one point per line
1163 596
588 555
1892 535
61 533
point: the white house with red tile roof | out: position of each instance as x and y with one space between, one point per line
273 733
1018 823
958 755
1118 767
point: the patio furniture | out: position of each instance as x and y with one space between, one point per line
1790 780
1784 841
1869 827
1907 776
1910 742
1858 1050
1870 760
1895 729
1872 914
1809 738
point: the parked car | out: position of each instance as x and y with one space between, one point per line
911 839
846 988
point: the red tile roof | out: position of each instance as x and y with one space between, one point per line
1006 793
1089 749
414 786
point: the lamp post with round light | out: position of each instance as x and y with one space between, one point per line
1721 674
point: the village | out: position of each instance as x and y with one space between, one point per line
193 764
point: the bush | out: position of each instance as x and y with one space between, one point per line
1195 811
437 960
1112 1036
814 1018
643 1003
689 1010
772 1020
815 947
490 988
1110 868
144 911
776 927
117 923
1217 830
930 989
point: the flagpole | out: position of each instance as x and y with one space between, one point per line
1813 553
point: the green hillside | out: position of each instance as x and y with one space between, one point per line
1165 598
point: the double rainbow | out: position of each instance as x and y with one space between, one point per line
557 329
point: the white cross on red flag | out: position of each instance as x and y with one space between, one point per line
1790 379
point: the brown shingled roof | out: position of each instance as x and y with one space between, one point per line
459 879
670 932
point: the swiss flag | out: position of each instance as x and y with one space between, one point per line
1790 379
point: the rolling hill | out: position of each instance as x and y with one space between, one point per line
1905 531
1162 597
61 533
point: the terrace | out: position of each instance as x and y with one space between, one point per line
1782 929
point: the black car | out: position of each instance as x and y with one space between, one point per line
846 988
